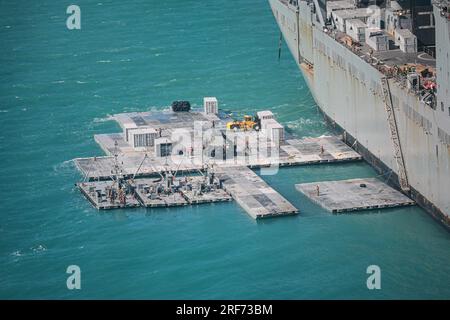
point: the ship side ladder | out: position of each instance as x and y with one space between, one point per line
398 154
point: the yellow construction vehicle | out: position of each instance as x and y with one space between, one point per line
249 123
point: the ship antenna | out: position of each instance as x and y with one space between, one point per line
117 170
116 154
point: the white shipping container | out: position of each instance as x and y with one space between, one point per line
163 147
406 40
356 29
142 138
341 17
264 116
393 18
376 39
210 105
338 5
127 127
275 131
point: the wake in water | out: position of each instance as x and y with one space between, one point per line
37 249
69 170
301 123
105 119
17 253
68 164
145 109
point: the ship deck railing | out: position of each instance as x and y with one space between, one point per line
385 61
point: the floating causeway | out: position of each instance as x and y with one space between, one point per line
99 195
135 173
293 152
253 194
354 194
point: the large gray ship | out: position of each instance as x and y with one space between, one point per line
380 73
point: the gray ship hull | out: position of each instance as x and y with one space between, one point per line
348 91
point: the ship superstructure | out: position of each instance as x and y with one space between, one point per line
380 72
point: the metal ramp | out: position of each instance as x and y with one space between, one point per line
398 154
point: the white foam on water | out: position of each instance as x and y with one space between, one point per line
294 124
279 106
19 85
63 165
39 248
163 108
105 119
161 84
17 253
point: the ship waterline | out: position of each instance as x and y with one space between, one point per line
349 92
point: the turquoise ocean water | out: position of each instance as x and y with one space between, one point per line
58 88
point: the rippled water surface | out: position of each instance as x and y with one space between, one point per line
58 88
